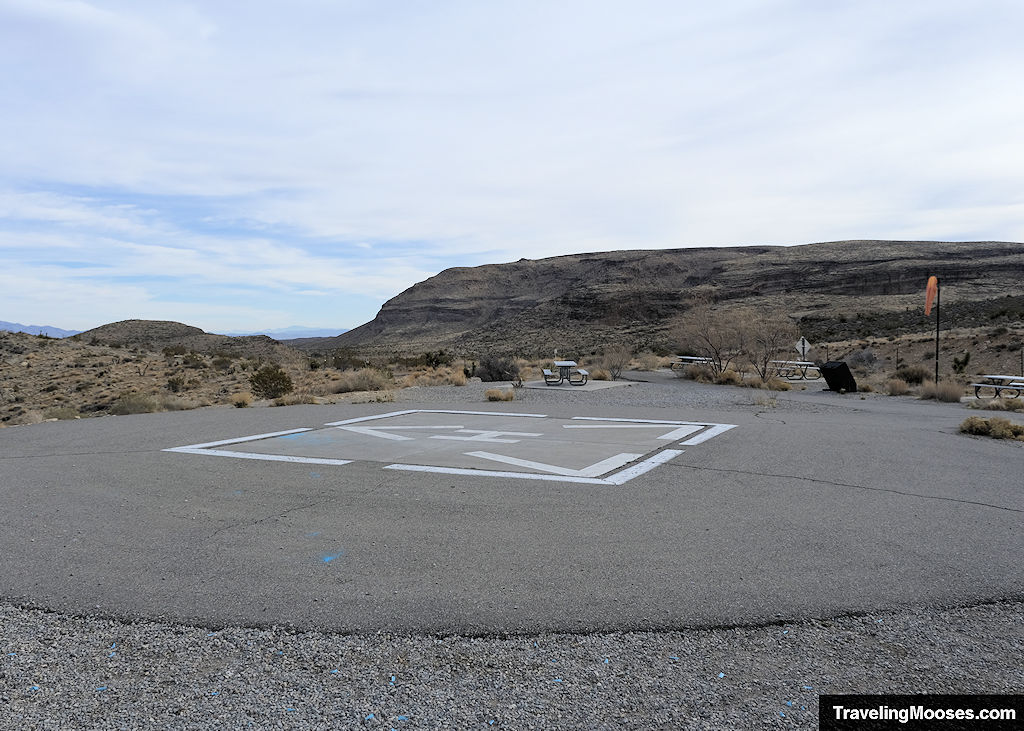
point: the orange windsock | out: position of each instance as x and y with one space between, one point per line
929 294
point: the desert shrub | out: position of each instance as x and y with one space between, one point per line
270 382
172 350
176 384
649 362
699 373
435 377
221 363
293 399
497 368
912 374
500 394
241 400
600 374
897 387
134 403
865 388
314 364
62 412
193 360
960 364
861 359
344 359
946 391
364 379
998 404
140 403
995 427
729 378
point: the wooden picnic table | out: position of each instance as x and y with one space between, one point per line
998 384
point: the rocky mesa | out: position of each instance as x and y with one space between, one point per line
589 300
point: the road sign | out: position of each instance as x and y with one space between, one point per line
802 347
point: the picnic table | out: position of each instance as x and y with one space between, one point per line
682 361
576 377
998 384
796 370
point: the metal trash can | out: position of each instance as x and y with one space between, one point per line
838 377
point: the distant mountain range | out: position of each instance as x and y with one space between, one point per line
284 333
48 330
293 332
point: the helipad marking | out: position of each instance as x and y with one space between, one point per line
428 411
674 434
379 431
489 436
594 470
546 472
714 431
267 457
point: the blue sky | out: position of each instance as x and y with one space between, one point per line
259 165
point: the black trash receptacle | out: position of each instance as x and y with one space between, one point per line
838 377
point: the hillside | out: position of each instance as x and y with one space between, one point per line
156 335
834 290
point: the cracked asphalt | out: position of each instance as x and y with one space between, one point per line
815 505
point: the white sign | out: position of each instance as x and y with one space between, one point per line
802 347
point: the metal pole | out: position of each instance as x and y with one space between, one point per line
938 309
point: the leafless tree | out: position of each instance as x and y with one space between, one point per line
716 334
769 336
615 358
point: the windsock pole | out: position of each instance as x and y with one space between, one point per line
932 292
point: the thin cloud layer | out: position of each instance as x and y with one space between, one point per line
301 164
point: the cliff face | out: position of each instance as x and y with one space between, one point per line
589 299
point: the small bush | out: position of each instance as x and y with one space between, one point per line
771 384
699 373
912 374
134 403
497 368
241 400
897 387
600 374
176 384
63 413
945 391
293 399
222 364
995 427
998 404
139 403
500 394
270 382
364 379
729 378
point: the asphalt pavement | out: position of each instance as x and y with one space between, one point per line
810 504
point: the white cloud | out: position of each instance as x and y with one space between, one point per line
290 145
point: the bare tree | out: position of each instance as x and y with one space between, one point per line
615 358
718 335
769 335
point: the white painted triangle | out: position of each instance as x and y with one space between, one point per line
594 470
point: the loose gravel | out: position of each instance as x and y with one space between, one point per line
62 672
78 672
